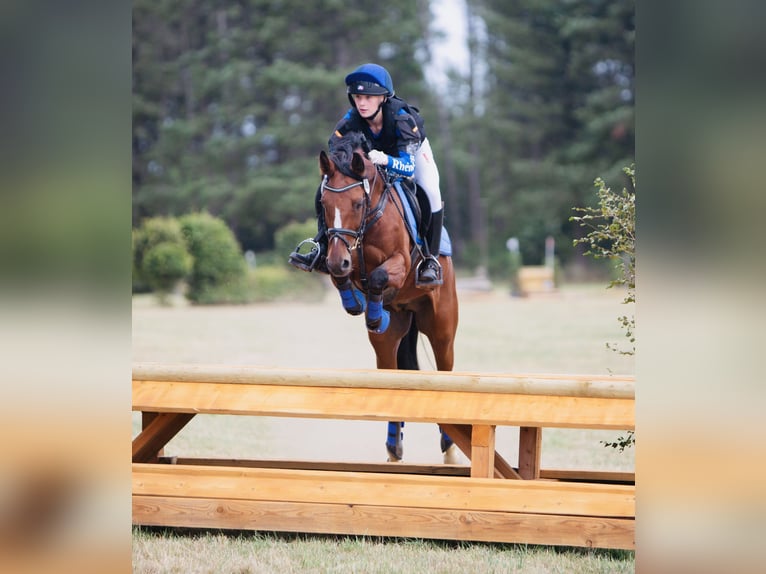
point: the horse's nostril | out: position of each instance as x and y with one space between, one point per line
346 264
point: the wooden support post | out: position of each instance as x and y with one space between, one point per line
146 420
483 451
461 435
530 443
162 428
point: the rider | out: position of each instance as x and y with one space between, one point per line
396 134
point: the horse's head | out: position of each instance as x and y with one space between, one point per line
348 178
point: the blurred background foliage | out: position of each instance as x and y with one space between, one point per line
232 102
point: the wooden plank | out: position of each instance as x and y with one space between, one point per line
461 435
612 386
603 476
539 497
378 467
483 451
385 405
572 475
371 520
530 447
162 428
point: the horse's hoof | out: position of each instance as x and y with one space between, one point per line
394 453
452 455
354 311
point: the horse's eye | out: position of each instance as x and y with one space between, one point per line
358 205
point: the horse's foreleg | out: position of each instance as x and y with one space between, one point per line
389 274
377 317
351 297
386 345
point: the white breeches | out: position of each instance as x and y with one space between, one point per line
427 175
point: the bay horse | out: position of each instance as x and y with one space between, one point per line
371 257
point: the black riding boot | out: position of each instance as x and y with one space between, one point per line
429 270
315 259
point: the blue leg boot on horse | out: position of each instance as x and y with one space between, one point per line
394 439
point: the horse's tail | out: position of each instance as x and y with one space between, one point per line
407 355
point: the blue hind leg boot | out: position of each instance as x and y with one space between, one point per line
445 441
394 441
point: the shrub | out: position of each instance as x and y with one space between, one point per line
613 236
287 237
140 285
218 273
153 232
165 265
277 282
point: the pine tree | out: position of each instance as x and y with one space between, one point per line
234 101
559 108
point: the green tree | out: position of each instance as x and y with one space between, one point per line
556 106
233 102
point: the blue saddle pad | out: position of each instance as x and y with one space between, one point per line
445 245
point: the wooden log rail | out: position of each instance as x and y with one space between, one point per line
548 507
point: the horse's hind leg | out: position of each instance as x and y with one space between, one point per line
386 346
449 449
394 441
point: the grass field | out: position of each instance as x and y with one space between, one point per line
565 332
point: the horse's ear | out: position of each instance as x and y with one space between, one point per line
325 164
357 164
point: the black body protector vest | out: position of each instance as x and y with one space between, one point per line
401 131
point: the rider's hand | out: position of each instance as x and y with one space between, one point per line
378 157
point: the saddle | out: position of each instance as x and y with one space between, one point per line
417 209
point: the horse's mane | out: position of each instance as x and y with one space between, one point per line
342 151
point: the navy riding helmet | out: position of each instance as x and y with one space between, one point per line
369 79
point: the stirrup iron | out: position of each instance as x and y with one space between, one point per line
299 259
439 276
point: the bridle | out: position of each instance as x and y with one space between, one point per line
370 216
340 232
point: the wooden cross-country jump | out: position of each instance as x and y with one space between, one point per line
490 500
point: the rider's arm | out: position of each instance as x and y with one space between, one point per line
402 165
408 142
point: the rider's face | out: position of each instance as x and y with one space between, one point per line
367 104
